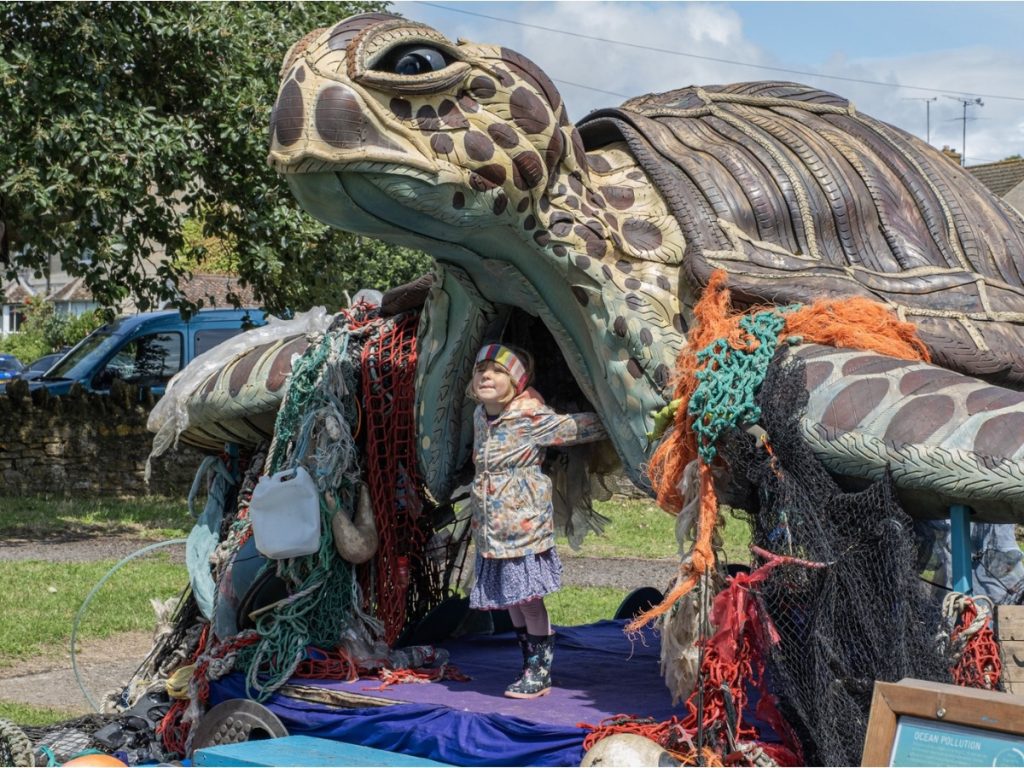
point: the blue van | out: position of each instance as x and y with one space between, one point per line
145 349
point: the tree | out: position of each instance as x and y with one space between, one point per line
123 121
45 330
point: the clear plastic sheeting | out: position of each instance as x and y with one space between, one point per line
170 417
997 563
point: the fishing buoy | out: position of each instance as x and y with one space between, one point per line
95 760
628 750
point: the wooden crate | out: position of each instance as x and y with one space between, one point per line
1010 629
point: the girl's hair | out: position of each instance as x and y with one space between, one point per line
524 357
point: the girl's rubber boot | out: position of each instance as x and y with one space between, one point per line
536 679
523 646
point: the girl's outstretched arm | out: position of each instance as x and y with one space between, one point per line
550 428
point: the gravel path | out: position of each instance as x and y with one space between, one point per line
624 573
106 665
83 549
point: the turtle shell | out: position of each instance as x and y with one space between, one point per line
798 197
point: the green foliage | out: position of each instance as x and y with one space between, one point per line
209 254
40 600
45 331
123 121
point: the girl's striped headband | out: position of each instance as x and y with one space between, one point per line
508 360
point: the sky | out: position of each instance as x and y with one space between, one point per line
912 64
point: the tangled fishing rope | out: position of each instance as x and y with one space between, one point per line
719 379
15 747
312 430
968 641
718 373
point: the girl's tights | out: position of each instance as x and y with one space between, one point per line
533 615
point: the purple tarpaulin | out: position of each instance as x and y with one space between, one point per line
598 673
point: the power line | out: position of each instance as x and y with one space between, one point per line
590 88
654 49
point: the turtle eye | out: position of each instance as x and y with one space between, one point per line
413 60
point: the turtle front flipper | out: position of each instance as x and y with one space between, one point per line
232 393
945 438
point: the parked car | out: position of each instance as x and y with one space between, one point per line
145 349
10 367
37 368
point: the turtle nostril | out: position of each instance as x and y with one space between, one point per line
339 117
286 119
341 121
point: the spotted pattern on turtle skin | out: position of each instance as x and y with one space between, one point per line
929 427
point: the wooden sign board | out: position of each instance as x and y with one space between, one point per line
916 723
1010 625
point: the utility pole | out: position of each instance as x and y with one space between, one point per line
927 113
966 103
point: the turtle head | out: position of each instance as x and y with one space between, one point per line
457 132
385 128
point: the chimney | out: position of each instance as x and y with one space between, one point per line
953 156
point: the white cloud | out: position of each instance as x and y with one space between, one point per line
717 31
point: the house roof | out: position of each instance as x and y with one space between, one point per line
1000 177
16 293
216 288
76 290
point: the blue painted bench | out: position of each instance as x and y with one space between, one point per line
302 750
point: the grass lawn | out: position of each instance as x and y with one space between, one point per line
40 600
571 606
41 517
24 715
640 529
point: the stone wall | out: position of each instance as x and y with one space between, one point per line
97 445
85 444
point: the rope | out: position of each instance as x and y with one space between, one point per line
855 323
174 729
88 599
15 747
388 366
728 378
389 676
312 429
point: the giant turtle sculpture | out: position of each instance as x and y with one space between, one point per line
596 239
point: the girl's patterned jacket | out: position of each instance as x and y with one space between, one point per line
511 497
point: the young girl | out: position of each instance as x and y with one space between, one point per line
513 529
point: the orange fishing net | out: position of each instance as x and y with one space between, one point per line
854 323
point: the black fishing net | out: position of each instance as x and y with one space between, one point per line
864 615
130 735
